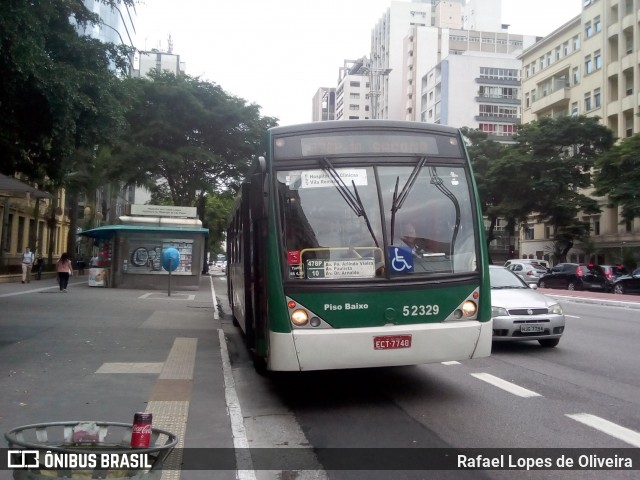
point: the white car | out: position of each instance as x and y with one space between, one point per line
527 272
521 313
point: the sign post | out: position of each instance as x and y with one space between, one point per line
170 261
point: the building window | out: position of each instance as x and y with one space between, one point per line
498 111
548 59
576 76
596 227
597 60
574 109
354 84
588 65
628 226
527 101
588 31
558 53
587 102
596 98
565 48
354 96
528 232
541 64
576 43
597 24
499 73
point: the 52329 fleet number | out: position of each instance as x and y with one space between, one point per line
420 310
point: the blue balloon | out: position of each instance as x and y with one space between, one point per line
170 254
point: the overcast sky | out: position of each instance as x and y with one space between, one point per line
277 53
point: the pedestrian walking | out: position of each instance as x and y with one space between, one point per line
27 264
64 270
39 267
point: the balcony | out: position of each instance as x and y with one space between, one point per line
628 103
613 69
628 61
628 21
553 99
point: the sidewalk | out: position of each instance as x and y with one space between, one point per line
597 298
102 354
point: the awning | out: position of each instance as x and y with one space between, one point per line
10 187
108 231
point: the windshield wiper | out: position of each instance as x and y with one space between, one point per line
439 183
398 200
352 199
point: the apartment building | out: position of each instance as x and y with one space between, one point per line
588 66
353 92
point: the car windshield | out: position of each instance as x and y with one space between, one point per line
503 278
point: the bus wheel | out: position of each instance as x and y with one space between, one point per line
259 363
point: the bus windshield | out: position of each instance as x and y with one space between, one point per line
376 221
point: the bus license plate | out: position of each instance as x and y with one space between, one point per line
388 342
531 328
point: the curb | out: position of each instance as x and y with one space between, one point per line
596 301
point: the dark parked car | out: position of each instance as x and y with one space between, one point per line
575 276
628 283
613 272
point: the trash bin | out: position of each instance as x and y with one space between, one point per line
86 449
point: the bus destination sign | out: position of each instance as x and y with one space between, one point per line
352 268
363 144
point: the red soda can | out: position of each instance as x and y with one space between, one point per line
141 430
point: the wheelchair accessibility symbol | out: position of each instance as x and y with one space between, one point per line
401 259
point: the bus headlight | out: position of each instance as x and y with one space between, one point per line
299 317
469 308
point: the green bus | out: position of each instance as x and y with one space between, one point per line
359 244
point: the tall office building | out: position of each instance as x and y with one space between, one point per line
588 66
324 105
117 24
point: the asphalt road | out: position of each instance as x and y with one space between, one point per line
103 354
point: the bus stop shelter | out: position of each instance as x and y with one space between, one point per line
130 256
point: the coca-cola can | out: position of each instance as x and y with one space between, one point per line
141 430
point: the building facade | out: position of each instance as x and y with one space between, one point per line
588 66
324 105
353 92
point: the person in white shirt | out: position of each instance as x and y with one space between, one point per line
27 264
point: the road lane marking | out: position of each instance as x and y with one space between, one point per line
571 316
504 385
621 433
452 362
244 463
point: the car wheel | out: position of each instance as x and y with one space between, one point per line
619 289
541 284
549 342
571 286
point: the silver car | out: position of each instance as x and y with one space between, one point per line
520 313
528 272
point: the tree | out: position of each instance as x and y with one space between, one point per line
551 166
617 175
186 136
52 84
483 153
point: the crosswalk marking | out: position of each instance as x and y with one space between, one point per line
621 433
504 385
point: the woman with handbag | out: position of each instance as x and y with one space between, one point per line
64 270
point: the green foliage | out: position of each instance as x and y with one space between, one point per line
618 177
547 170
187 135
57 91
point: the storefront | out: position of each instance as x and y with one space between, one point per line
130 256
